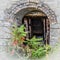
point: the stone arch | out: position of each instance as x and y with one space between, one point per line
26 7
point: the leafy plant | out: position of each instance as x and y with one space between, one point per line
19 34
34 42
40 52
38 48
34 46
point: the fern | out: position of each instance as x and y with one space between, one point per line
38 49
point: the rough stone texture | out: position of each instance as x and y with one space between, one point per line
16 13
7 4
55 28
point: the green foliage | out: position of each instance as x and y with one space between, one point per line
40 52
18 33
21 31
38 49
33 42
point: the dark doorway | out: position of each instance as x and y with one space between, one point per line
37 26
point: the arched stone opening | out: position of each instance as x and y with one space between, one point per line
37 24
19 10
23 8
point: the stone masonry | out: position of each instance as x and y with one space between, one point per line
4 24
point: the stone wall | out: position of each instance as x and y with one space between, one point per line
4 25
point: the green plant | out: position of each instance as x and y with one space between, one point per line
40 52
19 34
34 46
34 42
38 48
